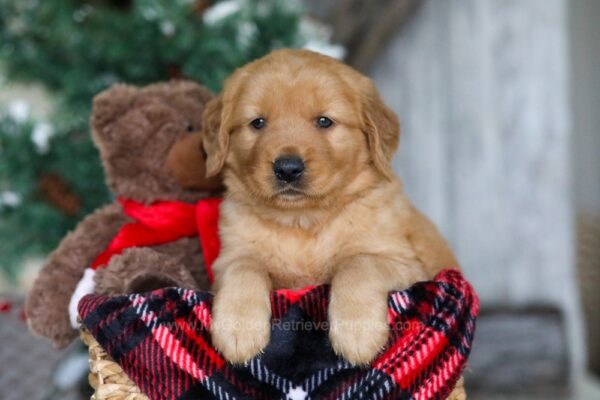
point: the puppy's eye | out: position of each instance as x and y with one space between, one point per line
258 123
189 127
324 122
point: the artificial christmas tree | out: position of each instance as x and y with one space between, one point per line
50 174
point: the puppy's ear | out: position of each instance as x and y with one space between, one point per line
215 137
382 128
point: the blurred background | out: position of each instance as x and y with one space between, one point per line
500 107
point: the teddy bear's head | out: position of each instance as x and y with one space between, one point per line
149 141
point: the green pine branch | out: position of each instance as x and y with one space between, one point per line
76 49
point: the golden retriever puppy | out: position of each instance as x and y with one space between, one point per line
305 144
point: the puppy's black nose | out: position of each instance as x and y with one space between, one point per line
288 168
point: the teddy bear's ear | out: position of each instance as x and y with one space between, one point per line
195 91
108 106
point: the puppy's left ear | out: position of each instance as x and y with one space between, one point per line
215 137
382 128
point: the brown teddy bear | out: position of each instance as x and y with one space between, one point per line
152 155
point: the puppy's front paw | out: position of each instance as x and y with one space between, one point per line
240 331
357 333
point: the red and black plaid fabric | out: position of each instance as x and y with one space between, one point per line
162 341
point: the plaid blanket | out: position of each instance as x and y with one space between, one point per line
162 341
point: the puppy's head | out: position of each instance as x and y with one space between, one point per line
296 129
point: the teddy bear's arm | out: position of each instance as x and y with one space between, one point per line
142 269
48 300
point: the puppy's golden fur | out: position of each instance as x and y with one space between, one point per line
347 222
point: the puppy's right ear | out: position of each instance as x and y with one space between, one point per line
215 137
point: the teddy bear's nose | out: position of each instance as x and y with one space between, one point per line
288 168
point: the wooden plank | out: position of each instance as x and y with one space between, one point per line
411 75
363 27
519 351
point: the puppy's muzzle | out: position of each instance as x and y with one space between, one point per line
288 169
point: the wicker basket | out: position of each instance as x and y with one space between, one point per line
106 376
111 383
588 266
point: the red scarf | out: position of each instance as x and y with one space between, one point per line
164 222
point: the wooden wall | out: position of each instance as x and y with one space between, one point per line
482 91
